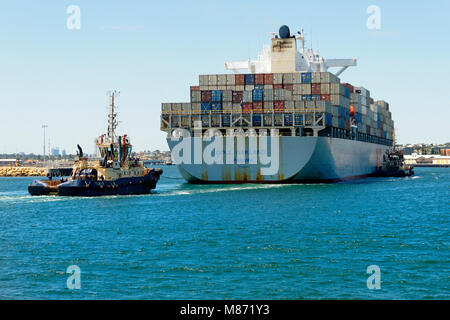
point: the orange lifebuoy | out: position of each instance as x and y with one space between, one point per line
352 111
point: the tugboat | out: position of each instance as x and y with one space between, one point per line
118 173
394 165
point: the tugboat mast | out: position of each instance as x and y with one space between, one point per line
112 122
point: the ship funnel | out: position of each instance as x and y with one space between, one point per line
284 32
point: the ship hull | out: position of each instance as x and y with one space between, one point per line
300 160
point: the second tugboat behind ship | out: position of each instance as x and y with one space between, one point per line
118 173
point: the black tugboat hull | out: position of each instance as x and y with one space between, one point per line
42 188
123 186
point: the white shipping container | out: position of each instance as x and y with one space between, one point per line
227 96
195 96
176 107
203 80
287 78
306 88
249 87
239 88
222 87
315 77
204 88
297 89
247 96
221 79
297 78
268 95
277 78
287 94
325 88
328 77
212 80
297 97
231 79
213 88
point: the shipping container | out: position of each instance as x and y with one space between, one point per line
268 78
259 78
306 77
315 77
249 79
239 79
268 106
288 118
324 88
237 96
315 88
325 97
278 94
268 95
227 96
221 79
328 77
212 80
257 120
287 78
298 119
268 120
306 88
166 108
247 107
237 108
227 107
206 106
231 80
258 106
278 106
258 95
226 120
216 96
247 96
277 78
196 107
196 96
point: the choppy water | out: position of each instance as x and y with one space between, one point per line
224 242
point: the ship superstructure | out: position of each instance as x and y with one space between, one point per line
325 130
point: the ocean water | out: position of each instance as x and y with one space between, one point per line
231 241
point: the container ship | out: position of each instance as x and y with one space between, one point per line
324 130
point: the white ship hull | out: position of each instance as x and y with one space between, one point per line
300 159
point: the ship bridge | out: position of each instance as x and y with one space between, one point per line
283 57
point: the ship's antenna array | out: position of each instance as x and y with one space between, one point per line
112 121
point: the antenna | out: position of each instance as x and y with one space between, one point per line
112 122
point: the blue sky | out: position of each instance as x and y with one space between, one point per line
152 51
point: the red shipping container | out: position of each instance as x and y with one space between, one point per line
350 87
382 126
315 88
237 96
247 107
371 101
259 78
195 88
268 78
278 106
289 87
368 130
278 86
239 79
258 106
326 97
206 96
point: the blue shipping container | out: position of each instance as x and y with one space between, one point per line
306 97
288 120
216 96
258 95
259 86
328 119
206 106
249 79
256 119
306 77
346 92
315 97
299 119
226 120
342 123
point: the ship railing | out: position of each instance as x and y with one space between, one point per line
287 118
